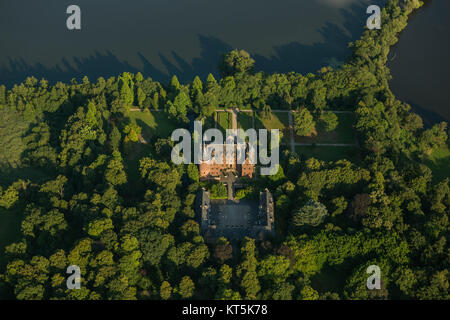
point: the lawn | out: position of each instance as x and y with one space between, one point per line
223 121
277 120
13 128
154 123
245 120
328 153
439 163
344 132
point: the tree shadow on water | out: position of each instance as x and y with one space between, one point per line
292 56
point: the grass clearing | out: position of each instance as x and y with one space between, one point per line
277 120
344 132
155 123
330 153
439 163
223 121
245 120
13 128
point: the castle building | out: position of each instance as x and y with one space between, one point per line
211 169
266 217
204 207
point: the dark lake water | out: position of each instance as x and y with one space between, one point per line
165 37
186 37
421 62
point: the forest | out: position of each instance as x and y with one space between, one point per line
85 181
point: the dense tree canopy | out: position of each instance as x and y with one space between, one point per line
92 188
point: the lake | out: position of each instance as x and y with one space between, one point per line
420 62
165 37
187 37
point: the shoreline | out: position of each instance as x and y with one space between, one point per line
428 114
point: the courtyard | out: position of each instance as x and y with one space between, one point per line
233 218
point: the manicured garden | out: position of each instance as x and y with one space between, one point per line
223 121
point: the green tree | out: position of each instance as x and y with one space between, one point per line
225 274
236 62
154 245
308 293
175 84
304 124
340 204
165 291
115 138
91 115
98 226
8 197
219 191
330 120
193 172
132 132
186 287
126 95
223 250
313 213
160 174
267 112
283 291
246 270
141 96
115 173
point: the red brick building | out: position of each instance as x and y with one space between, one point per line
210 169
